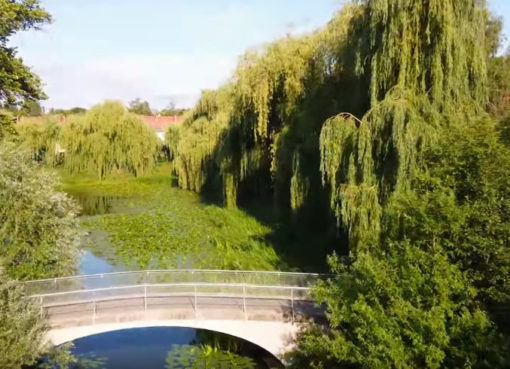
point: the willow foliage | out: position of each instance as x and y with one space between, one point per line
41 139
281 68
108 138
249 113
435 47
426 63
382 111
193 144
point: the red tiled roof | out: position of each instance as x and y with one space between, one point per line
159 124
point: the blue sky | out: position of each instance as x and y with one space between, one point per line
160 50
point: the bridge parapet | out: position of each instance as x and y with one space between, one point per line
150 277
265 308
175 294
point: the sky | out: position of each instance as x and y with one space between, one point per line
162 51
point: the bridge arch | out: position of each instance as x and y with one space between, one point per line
274 337
264 308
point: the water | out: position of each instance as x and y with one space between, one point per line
94 205
89 263
169 348
151 348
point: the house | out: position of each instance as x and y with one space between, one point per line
160 124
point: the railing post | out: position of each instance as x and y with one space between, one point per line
145 298
94 312
195 304
146 282
292 303
244 302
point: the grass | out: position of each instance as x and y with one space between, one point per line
154 225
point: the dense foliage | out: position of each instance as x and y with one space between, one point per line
18 85
38 228
20 326
384 112
41 136
106 139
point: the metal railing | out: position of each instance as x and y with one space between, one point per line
193 284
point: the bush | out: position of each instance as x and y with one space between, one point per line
39 230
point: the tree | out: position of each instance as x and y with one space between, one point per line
75 110
39 229
31 108
140 107
109 138
21 327
40 236
384 114
499 92
22 332
171 110
402 307
41 138
6 124
17 82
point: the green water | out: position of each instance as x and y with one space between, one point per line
145 223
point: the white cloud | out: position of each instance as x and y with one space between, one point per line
160 51
158 78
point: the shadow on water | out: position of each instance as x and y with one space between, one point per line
94 204
303 239
169 348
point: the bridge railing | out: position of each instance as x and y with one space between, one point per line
155 277
156 288
251 283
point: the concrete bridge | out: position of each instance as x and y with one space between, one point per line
265 308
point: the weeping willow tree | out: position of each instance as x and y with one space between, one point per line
41 139
426 63
106 139
242 122
401 181
192 145
383 111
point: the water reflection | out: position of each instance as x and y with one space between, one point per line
93 204
89 263
169 348
203 357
